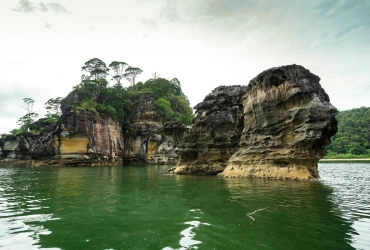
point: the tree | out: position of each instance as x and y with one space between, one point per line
118 70
96 68
155 76
52 107
28 119
355 148
28 104
177 87
131 73
91 88
353 136
164 109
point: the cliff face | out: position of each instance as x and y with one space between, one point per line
276 130
85 138
146 142
215 133
79 138
16 147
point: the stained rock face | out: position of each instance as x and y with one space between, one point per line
146 143
79 138
278 130
85 138
215 133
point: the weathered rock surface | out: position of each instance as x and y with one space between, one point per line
16 147
79 138
276 130
215 133
85 138
146 143
275 127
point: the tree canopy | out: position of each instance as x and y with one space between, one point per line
353 137
107 99
121 103
131 73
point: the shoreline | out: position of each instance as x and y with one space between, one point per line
354 159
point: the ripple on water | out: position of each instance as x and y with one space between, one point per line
351 195
187 240
17 216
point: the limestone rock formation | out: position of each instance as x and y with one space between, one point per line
146 143
276 130
16 147
79 138
215 132
85 138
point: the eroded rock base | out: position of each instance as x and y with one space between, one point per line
289 171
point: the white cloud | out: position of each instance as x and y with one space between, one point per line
203 43
26 6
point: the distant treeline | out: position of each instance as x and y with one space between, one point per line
353 137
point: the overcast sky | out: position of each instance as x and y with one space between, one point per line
203 43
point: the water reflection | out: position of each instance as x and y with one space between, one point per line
187 240
299 214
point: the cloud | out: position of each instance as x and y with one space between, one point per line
91 28
58 8
26 6
150 23
48 25
43 7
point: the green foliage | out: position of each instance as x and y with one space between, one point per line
131 73
53 111
96 68
164 109
91 88
118 70
16 131
26 122
171 103
353 137
121 103
332 155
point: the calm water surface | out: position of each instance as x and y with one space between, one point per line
144 208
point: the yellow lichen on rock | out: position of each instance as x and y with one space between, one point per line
76 144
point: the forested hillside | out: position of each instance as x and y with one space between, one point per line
353 137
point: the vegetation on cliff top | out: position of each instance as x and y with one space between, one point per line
120 103
353 137
108 98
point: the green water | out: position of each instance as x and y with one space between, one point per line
145 208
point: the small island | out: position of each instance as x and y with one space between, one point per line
275 127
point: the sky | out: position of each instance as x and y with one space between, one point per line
203 43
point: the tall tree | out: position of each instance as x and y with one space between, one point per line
118 70
96 68
155 75
176 85
92 88
52 107
28 119
131 74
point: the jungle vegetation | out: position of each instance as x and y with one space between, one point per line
353 137
103 94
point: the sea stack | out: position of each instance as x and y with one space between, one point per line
286 120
